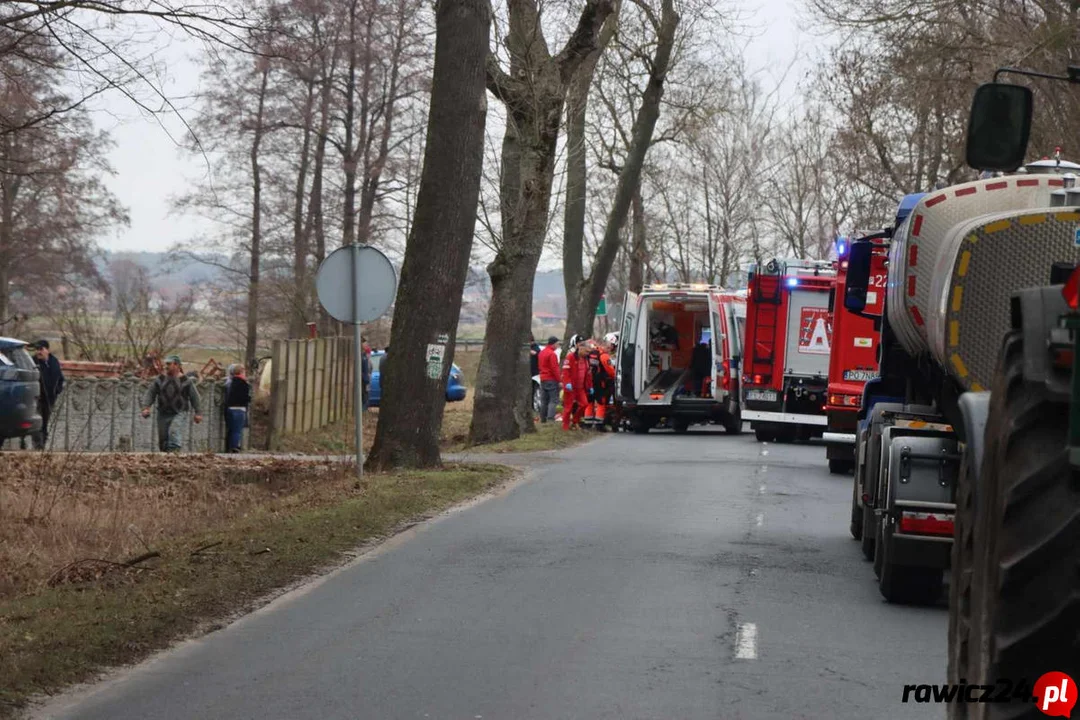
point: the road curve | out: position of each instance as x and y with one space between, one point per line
681 577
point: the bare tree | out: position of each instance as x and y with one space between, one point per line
584 293
533 92
53 203
437 255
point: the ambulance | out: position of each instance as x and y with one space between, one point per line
785 373
678 357
854 358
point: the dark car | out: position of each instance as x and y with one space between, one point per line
455 390
19 390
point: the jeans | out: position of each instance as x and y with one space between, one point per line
549 399
169 429
235 421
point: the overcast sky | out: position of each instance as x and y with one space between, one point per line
151 169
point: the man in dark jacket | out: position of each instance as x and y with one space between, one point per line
52 384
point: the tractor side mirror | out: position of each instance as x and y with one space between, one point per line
858 275
999 127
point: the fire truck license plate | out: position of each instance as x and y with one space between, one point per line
766 395
860 375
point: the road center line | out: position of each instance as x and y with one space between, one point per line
761 490
759 519
746 642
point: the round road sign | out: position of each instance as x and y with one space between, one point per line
348 267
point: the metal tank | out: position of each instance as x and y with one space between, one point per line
928 247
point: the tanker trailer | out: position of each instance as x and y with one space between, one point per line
980 342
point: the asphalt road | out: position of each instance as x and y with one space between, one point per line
681 577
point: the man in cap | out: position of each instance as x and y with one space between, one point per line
175 394
549 373
52 383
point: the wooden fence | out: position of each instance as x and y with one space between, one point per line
311 385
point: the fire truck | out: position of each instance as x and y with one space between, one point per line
853 360
785 371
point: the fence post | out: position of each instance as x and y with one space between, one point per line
278 389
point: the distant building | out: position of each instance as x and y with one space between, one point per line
548 319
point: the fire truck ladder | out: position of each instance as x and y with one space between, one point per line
765 318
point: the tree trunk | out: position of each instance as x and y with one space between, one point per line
588 298
301 248
440 244
638 251
315 227
577 100
497 408
256 225
534 93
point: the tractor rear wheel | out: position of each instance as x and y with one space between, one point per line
1023 609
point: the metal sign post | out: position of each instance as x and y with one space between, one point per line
356 284
358 365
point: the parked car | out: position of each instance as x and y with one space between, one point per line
19 389
455 389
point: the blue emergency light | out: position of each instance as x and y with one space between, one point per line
841 247
792 282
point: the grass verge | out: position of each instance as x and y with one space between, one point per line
229 534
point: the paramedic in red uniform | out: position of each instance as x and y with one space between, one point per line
602 373
576 383
549 379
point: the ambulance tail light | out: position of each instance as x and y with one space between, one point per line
845 400
725 379
927 523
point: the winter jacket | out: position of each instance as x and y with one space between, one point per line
575 372
534 359
52 379
549 365
237 394
173 395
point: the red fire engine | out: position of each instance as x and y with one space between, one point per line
788 341
854 359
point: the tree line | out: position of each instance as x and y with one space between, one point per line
627 137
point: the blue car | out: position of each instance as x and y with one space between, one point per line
455 390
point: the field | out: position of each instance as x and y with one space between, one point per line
104 559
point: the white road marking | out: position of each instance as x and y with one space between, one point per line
746 642
759 519
764 452
761 490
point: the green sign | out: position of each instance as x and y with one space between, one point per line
601 309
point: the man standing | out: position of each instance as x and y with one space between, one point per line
52 383
174 394
549 379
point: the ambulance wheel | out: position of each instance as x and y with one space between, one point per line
787 434
840 466
733 423
639 426
680 425
1023 613
764 435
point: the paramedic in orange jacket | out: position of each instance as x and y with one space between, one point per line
576 383
602 371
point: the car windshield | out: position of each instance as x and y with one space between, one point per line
16 357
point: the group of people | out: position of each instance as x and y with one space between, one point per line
174 394
585 378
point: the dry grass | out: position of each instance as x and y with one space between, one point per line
106 558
